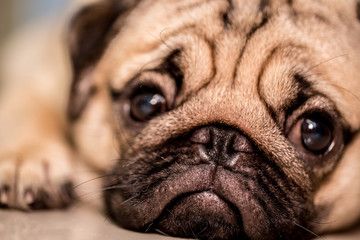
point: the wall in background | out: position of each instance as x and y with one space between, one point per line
28 10
15 13
6 16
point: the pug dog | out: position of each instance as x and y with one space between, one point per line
228 119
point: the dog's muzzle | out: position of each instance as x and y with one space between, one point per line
212 184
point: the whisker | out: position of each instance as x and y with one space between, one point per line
106 219
346 90
328 60
309 231
161 232
129 199
103 190
114 187
162 39
93 179
149 226
90 194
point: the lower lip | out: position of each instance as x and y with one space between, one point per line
200 211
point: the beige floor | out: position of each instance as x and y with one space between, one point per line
78 223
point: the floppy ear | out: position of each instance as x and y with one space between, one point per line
90 32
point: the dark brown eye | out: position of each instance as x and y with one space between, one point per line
316 133
318 137
147 105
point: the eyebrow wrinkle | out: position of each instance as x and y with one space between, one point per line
204 86
226 20
212 48
305 91
269 109
249 35
170 66
263 4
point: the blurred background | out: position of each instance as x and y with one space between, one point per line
33 52
17 13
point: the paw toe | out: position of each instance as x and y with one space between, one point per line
35 183
4 195
50 197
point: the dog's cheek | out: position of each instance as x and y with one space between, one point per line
338 200
93 133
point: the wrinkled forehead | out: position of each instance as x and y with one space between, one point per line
249 44
150 33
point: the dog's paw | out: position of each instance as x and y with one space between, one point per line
37 178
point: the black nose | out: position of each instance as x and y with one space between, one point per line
222 145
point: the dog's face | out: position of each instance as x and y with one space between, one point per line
231 118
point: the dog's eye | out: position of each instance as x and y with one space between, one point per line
313 133
147 105
316 133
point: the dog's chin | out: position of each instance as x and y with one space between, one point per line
205 215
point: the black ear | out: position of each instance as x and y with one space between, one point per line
91 29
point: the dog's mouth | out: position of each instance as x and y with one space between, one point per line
188 204
196 208
206 202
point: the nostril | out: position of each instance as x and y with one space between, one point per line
242 144
202 136
221 145
204 153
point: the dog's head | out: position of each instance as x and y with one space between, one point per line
229 119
